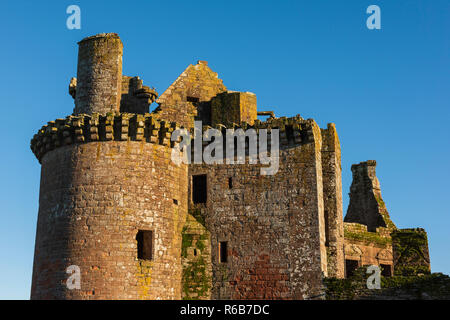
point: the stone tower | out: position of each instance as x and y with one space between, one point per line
112 203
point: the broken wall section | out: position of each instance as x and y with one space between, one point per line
332 198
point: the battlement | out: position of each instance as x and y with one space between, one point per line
292 131
95 127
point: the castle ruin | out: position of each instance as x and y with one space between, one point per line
140 226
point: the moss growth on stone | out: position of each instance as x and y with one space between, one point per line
368 237
197 214
431 286
411 253
196 281
384 214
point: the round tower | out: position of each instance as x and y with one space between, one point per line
112 204
99 74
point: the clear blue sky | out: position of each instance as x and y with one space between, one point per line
387 90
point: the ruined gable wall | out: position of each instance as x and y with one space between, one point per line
198 82
366 204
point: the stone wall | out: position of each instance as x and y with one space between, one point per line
196 260
368 248
411 255
104 178
332 197
273 225
136 98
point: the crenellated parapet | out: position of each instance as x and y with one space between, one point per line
292 131
95 127
85 128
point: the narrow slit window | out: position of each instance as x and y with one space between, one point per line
199 188
230 183
223 251
145 244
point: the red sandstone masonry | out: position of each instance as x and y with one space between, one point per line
274 225
94 198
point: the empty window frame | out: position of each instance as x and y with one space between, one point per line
386 270
350 267
145 244
199 188
223 251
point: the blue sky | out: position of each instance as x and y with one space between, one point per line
387 90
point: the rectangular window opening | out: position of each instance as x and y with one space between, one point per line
386 270
350 267
199 188
230 183
145 244
223 251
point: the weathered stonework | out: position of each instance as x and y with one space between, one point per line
366 204
411 255
273 225
196 260
332 191
230 108
99 74
114 203
371 238
94 198
190 95
136 98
